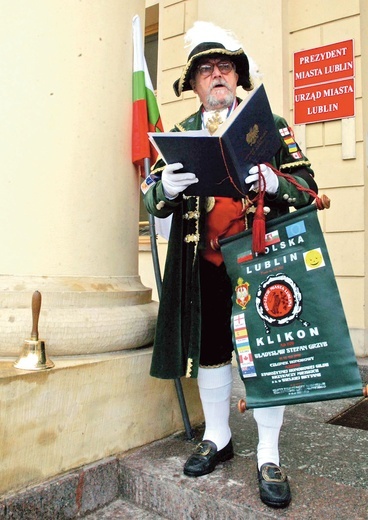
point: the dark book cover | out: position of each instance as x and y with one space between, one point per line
222 161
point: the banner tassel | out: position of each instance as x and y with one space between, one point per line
259 222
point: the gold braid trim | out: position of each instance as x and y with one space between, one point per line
189 367
197 229
160 204
216 366
194 237
296 164
190 215
157 170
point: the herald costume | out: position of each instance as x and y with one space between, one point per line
193 333
177 340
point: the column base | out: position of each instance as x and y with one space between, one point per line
79 315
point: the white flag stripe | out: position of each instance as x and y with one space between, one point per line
139 61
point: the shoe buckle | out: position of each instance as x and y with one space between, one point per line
202 449
280 474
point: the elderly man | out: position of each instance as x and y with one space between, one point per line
193 335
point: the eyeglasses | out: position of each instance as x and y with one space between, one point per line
206 69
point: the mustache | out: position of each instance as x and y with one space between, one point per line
219 82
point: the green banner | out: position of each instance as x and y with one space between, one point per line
290 334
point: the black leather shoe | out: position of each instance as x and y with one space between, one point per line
206 457
274 487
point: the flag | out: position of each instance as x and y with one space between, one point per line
146 115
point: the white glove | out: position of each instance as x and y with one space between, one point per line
175 183
270 177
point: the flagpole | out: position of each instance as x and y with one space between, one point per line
153 241
146 116
156 266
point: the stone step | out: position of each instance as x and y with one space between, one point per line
321 488
326 465
123 510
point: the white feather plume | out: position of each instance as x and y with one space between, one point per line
208 32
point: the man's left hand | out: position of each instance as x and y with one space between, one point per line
270 177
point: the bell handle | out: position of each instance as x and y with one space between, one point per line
36 308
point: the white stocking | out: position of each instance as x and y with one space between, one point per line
215 385
269 422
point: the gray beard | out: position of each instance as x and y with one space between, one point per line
213 103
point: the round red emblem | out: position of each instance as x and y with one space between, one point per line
279 301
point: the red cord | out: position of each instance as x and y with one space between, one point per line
259 222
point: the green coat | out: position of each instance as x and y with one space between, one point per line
177 338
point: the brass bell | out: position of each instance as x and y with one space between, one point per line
34 355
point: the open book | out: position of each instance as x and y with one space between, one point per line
221 161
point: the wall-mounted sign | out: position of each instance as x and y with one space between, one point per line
324 83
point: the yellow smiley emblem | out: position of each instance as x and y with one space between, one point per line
314 259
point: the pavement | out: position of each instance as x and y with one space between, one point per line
327 466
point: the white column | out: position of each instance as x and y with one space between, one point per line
70 195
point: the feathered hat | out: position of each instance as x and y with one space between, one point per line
205 39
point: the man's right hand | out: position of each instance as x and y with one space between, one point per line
175 183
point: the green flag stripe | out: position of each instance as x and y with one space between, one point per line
152 108
139 87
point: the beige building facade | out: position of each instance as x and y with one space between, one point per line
271 32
